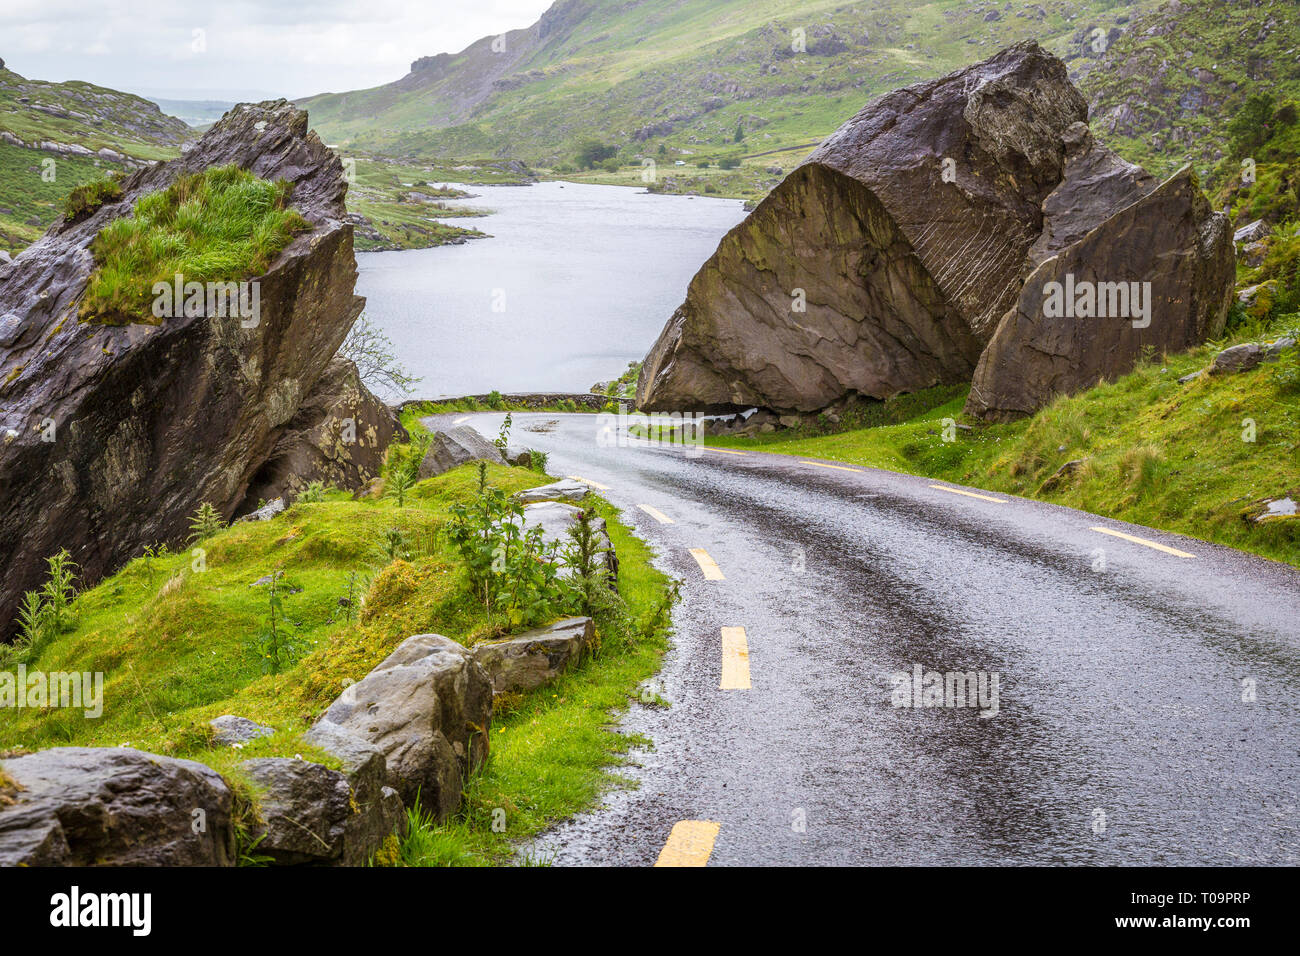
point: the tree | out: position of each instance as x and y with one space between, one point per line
740 133
1251 127
372 353
593 151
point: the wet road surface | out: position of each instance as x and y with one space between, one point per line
1146 709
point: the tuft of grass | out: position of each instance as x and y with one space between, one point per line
221 225
85 199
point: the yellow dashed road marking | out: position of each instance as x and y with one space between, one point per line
587 481
724 451
689 844
1143 541
656 514
735 659
822 464
969 494
710 567
463 418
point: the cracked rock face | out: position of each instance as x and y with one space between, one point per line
150 421
893 257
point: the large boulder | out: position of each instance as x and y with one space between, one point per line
535 657
428 709
113 806
151 420
912 249
1159 277
457 446
338 437
906 231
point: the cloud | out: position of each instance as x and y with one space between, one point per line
291 47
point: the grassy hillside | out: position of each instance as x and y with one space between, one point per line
1155 452
690 77
57 136
176 637
1165 92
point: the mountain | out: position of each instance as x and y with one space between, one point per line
56 136
693 75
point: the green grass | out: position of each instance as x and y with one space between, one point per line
1157 453
222 224
86 198
173 644
34 187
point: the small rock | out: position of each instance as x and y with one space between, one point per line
536 657
566 489
1251 233
231 730
457 446
266 512
1239 358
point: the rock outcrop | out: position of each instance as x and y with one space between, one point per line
454 447
114 806
428 709
893 257
111 436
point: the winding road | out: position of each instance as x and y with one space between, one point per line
1146 706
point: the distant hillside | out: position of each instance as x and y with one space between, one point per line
1164 92
682 77
85 130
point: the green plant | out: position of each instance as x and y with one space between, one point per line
502 441
57 592
394 544
400 483
494 399
206 522
538 460
274 645
312 494
87 198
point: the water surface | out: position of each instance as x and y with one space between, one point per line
576 281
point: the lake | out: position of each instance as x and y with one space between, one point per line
576 282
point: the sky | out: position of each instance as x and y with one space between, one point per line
191 49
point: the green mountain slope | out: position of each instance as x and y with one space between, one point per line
691 76
56 136
1164 92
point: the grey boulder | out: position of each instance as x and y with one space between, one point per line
557 519
457 446
114 806
428 709
229 730
536 657
566 489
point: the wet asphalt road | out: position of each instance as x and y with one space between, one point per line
1121 736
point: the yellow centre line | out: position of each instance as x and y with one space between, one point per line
463 418
710 567
735 659
822 464
656 514
1143 541
969 494
724 451
587 481
689 844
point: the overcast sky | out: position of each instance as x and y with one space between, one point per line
283 47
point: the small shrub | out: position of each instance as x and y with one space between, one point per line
312 494
206 522
85 199
538 460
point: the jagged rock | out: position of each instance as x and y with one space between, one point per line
304 806
266 512
921 235
1251 232
457 446
153 420
338 437
566 489
1171 239
379 810
556 519
114 806
1058 476
907 262
428 709
1244 357
536 657
231 730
